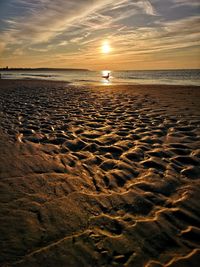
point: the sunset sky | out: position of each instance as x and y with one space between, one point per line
139 34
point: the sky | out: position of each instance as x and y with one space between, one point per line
141 34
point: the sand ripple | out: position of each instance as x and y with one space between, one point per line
99 176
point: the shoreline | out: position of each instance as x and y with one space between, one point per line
99 175
104 83
90 78
117 85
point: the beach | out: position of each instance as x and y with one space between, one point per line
99 175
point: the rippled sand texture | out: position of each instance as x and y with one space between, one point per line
100 176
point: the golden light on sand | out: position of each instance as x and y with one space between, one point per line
106 48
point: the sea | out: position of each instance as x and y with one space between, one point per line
85 77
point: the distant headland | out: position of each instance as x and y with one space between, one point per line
41 69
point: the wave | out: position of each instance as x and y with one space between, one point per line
37 75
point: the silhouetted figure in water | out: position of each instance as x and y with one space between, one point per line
106 76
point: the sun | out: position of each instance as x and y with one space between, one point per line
105 48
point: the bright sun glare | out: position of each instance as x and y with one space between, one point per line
105 47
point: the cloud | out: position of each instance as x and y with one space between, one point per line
73 30
183 27
144 5
63 43
43 20
168 36
2 46
147 7
191 3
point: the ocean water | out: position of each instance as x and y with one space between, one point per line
171 77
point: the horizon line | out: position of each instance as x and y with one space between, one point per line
85 69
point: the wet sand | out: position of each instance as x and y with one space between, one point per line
99 176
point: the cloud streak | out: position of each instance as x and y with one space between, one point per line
191 3
48 18
45 19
